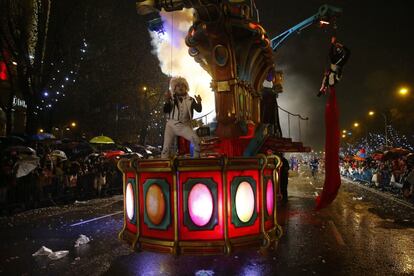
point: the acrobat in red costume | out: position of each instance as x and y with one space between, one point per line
338 55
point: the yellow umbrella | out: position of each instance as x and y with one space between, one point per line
101 140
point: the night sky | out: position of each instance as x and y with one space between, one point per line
378 35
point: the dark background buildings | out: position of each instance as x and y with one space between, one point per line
104 50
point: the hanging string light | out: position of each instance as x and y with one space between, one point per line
375 142
60 81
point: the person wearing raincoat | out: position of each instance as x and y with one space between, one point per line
179 108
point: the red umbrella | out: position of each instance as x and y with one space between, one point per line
395 153
112 154
377 156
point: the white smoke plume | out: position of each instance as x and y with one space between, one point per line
172 52
299 97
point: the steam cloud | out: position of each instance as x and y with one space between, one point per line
299 97
299 92
174 59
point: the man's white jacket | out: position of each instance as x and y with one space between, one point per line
181 108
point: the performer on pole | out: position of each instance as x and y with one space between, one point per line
338 55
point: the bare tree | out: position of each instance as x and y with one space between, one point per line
118 65
106 99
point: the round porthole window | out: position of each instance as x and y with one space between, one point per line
129 198
200 204
221 55
244 201
155 204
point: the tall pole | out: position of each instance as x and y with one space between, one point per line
116 119
289 123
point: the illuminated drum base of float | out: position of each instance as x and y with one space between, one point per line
200 206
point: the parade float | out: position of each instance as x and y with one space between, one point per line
225 200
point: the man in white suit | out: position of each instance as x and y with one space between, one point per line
179 107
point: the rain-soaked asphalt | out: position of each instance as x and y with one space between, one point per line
361 233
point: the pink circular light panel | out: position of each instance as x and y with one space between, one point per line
129 198
269 197
200 204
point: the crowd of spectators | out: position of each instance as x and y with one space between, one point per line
395 174
46 174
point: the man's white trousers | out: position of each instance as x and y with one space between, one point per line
175 128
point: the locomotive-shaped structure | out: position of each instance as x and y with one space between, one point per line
219 204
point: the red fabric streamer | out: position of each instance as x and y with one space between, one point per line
233 146
332 177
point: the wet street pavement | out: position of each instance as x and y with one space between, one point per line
363 232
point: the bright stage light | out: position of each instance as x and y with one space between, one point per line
244 201
129 198
200 204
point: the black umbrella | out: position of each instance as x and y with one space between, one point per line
395 153
20 150
12 140
410 159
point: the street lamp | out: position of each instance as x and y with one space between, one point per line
66 127
403 91
371 113
357 125
344 131
144 88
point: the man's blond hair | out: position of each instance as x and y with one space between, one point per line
177 80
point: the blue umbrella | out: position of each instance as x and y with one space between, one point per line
42 136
